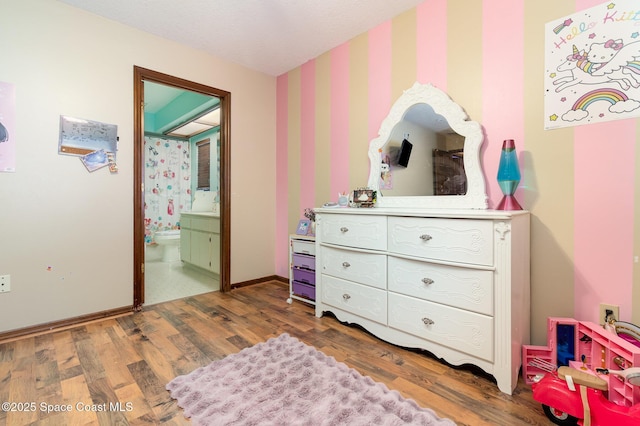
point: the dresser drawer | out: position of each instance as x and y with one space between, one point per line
303 247
361 300
363 268
304 261
463 331
469 289
361 231
453 240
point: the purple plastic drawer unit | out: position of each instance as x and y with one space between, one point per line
304 276
304 290
302 273
304 261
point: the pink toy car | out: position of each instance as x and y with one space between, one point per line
564 406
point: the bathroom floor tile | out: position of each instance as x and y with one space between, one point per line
166 281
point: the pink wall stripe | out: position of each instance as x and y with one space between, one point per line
502 88
308 133
603 218
604 205
432 43
282 199
379 76
339 119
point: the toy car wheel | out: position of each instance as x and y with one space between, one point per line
559 417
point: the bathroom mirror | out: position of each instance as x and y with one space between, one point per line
427 154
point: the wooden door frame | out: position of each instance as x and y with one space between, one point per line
140 75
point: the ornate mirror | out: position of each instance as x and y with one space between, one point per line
427 154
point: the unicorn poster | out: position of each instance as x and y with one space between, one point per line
592 65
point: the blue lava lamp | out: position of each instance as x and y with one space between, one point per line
508 176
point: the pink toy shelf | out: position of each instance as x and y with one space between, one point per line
586 346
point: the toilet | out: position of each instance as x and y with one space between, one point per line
169 242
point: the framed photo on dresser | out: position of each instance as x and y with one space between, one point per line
303 227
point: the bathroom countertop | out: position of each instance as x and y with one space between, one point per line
208 214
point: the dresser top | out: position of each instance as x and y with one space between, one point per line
447 213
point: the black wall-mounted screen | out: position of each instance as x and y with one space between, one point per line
405 153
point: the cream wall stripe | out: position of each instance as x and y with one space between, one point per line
282 177
358 112
323 129
550 192
293 143
403 53
379 77
307 149
464 55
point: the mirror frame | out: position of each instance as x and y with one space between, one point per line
476 196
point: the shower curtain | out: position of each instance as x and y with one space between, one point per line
167 184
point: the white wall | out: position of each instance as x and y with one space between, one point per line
66 235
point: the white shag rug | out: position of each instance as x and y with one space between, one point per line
286 382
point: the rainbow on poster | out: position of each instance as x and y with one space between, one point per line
610 95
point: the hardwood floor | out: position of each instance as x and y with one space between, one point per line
91 368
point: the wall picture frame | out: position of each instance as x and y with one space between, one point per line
303 227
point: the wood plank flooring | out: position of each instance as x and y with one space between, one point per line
113 372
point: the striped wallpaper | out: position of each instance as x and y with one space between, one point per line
579 183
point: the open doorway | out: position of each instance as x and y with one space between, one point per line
142 75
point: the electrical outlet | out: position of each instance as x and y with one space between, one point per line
615 312
5 283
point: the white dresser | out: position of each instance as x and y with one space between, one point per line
452 282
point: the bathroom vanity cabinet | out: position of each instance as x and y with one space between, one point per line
200 240
452 282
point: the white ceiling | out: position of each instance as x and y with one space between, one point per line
271 36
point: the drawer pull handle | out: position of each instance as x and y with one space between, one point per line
344 229
427 281
345 264
425 237
346 296
428 321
